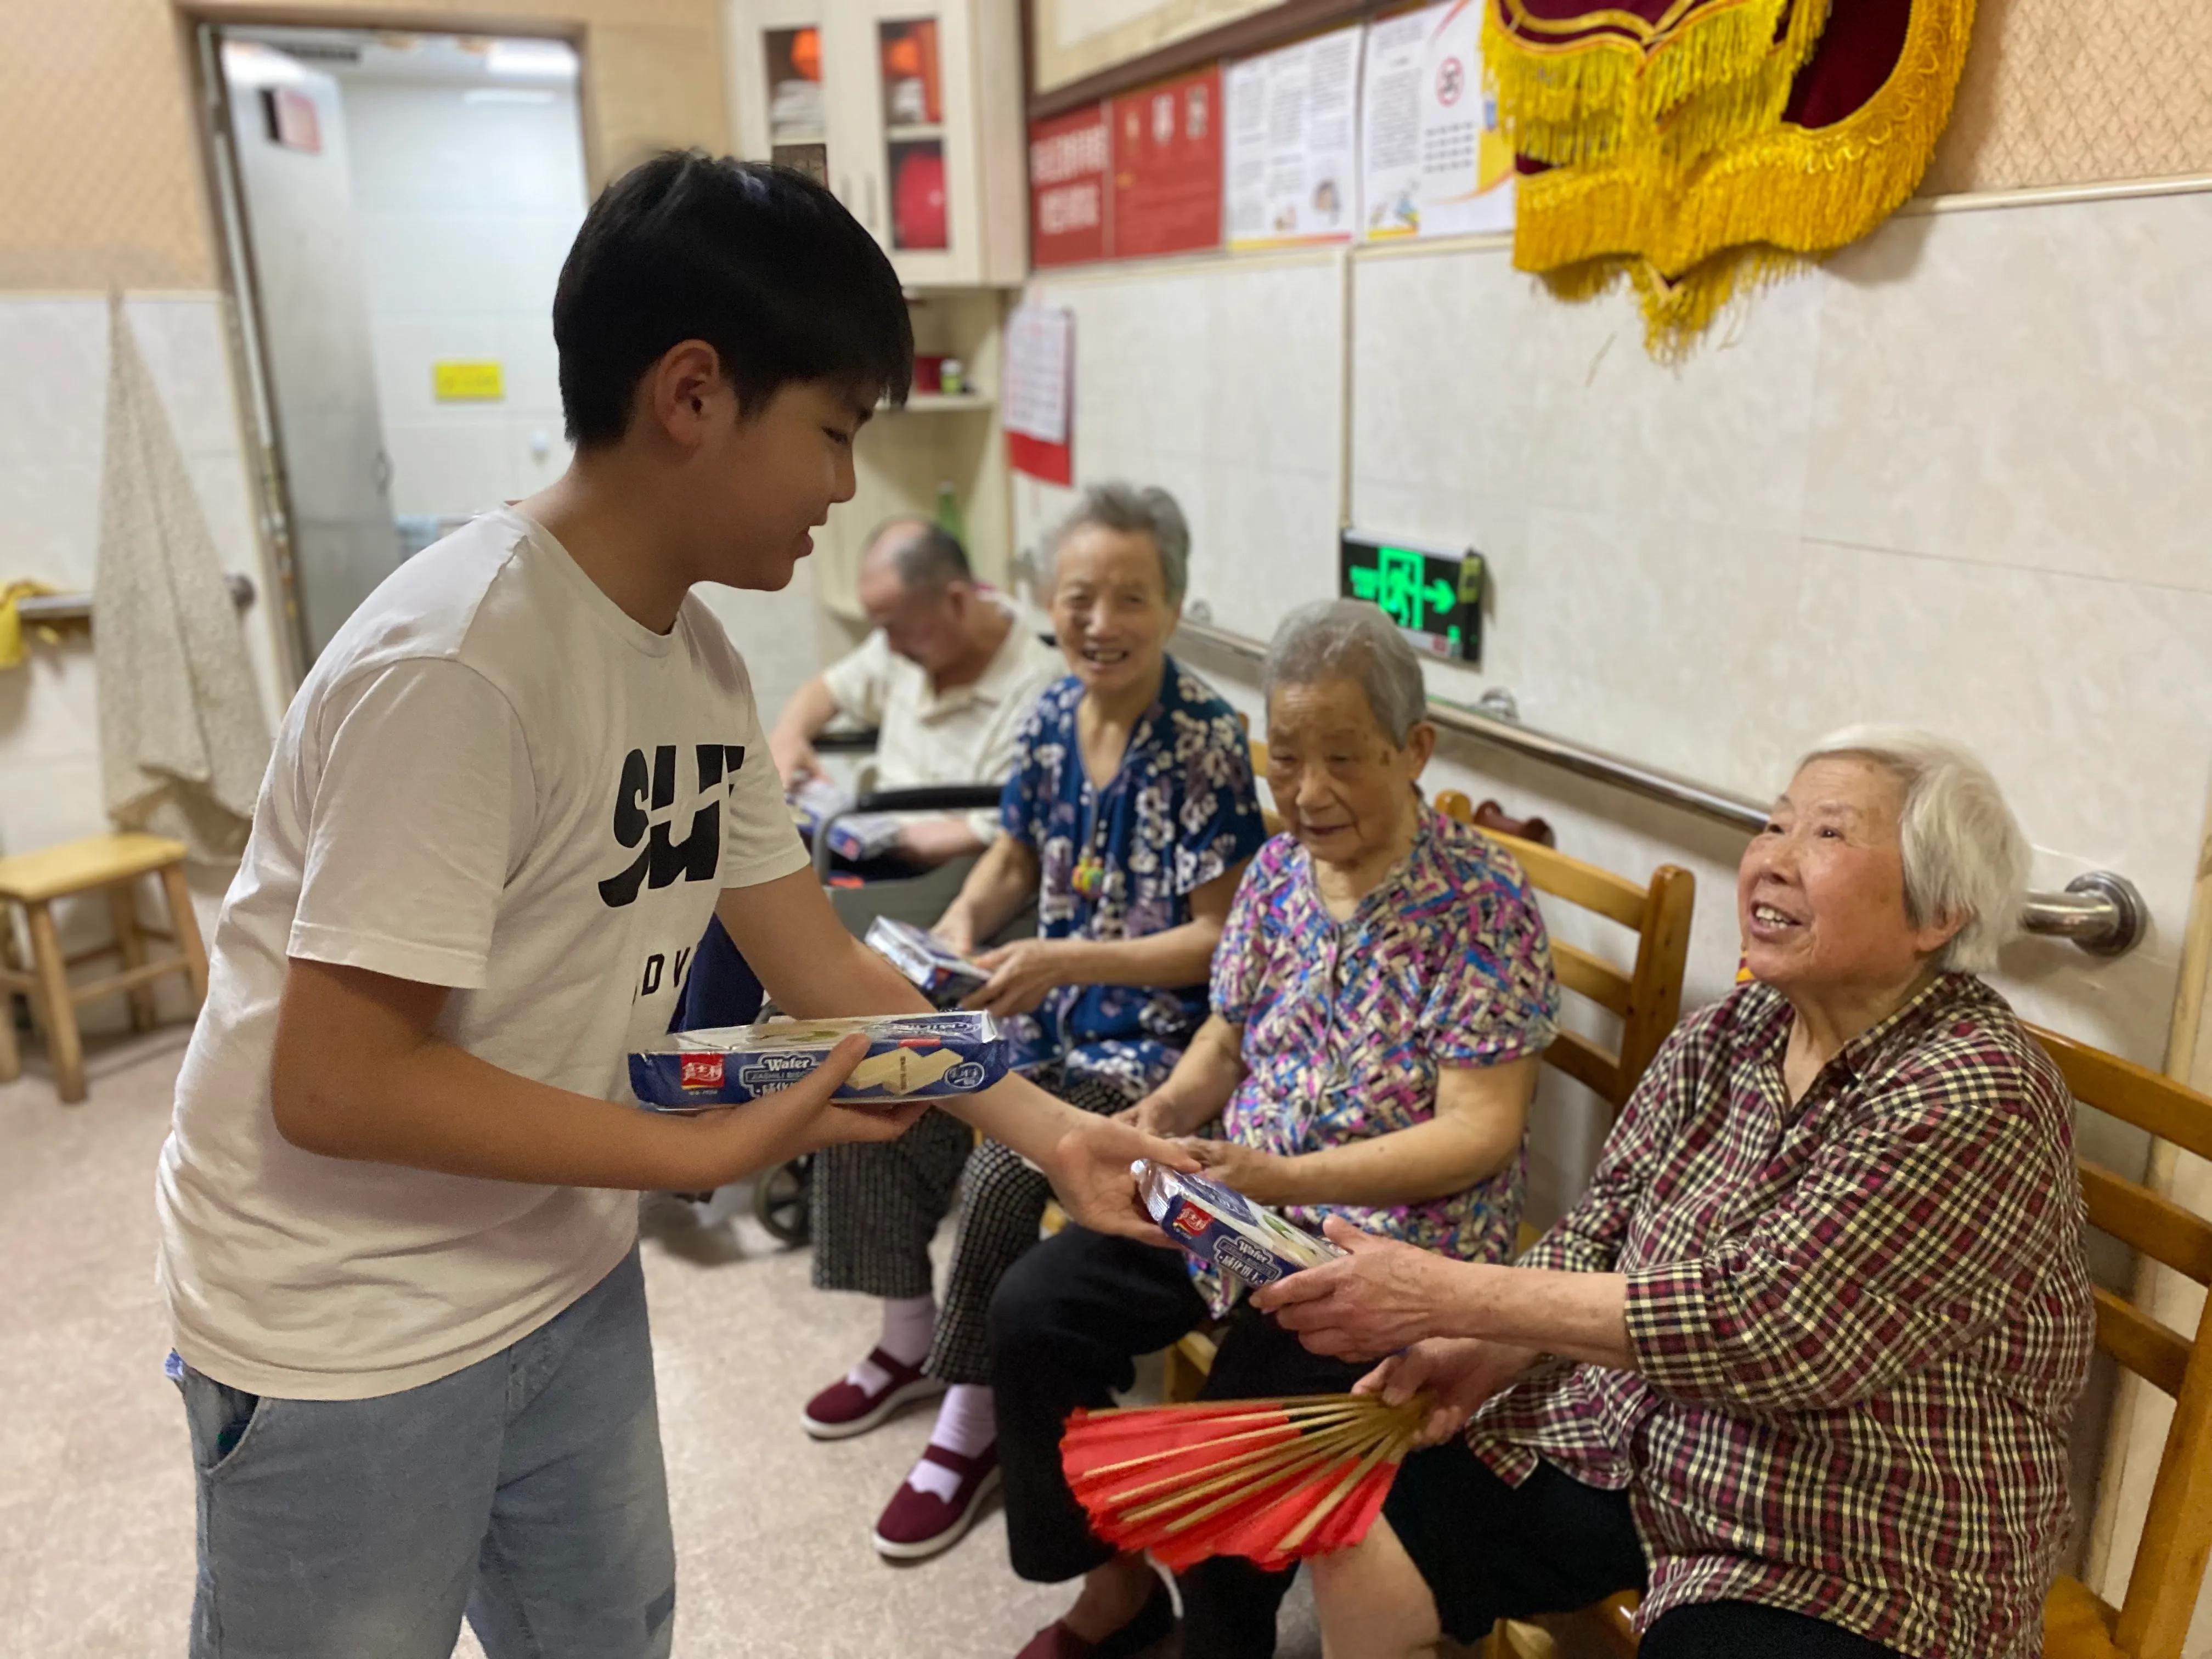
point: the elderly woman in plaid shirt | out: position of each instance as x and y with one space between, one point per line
1801 1364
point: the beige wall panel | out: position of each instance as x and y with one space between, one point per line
2058 93
106 187
103 178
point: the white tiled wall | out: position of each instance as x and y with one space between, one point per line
463 213
53 404
1961 479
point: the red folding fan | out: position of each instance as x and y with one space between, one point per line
1268 1480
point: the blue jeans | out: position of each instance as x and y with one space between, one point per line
526 1491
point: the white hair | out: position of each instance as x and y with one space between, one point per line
1150 511
1351 640
1964 851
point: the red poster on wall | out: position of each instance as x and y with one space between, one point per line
1167 168
1068 195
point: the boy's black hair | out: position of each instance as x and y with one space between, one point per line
760 262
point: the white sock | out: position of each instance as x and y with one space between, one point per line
909 1324
967 1424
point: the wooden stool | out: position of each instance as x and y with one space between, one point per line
114 863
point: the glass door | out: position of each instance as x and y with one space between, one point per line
916 117
912 90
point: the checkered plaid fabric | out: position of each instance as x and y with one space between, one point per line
1861 1324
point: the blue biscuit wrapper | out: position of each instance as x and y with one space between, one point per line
924 959
916 1056
1220 1225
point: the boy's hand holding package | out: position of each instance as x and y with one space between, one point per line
1088 1167
359 1073
803 1117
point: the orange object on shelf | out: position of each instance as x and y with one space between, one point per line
909 53
806 53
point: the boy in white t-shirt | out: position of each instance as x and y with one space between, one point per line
397 1204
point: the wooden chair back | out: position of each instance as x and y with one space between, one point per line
1647 997
2152 1621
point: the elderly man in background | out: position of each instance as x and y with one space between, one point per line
1802 1363
946 679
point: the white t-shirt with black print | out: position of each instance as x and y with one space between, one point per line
494 780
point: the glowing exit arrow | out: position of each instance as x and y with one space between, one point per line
1442 596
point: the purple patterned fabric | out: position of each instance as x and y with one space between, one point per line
1345 1025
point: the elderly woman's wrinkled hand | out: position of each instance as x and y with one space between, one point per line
1456 1373
1261 1177
1156 1115
1380 1297
1022 974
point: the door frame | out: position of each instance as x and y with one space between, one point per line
198 24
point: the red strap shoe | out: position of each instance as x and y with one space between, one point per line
845 1408
1153 1625
916 1523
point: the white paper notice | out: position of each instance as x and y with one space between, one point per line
1433 161
1040 353
1292 142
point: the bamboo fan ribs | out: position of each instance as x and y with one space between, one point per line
1268 1480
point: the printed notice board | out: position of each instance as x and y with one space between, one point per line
1070 159
1167 167
1433 163
1292 142
1434 594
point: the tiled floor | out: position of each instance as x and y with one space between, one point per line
771 1529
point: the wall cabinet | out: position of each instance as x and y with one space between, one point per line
909 110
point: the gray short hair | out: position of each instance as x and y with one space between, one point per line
1133 511
1350 639
1964 851
925 556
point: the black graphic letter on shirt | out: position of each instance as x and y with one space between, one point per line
644 811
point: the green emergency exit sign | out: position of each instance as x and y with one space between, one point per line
1434 594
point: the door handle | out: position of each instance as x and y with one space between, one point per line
381 473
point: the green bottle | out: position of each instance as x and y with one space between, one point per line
948 513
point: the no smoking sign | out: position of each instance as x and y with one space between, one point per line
1451 81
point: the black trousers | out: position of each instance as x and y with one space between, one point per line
1067 1325
1489 1550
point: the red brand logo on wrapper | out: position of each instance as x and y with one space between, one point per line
702 1071
1192 1220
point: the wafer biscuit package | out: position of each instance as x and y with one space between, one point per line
941 973
860 836
1220 1225
910 1057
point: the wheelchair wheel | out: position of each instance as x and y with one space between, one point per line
782 1201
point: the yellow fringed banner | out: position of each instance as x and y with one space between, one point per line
1577 84
1693 240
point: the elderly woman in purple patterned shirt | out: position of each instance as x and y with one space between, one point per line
1380 993
1801 1364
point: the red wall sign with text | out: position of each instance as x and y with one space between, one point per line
1069 197
1167 168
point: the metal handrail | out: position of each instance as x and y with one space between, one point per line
2102 912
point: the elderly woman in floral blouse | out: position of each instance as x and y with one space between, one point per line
1128 821
1380 993
1801 1364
